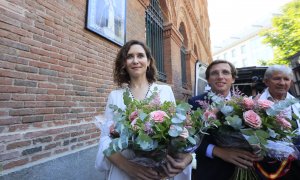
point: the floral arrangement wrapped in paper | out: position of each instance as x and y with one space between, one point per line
153 129
259 126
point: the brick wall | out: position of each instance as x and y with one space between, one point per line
54 77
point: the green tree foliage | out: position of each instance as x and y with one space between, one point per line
284 36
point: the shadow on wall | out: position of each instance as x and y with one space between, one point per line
76 166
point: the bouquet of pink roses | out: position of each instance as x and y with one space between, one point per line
255 125
153 129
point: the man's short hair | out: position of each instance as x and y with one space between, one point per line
232 68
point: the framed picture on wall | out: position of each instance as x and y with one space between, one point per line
108 19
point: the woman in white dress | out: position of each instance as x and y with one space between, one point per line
135 67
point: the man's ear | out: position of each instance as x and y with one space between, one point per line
266 82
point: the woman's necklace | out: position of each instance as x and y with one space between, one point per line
149 85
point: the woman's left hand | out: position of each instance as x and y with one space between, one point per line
176 165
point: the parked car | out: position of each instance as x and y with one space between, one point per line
250 80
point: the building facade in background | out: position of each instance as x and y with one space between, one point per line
245 48
56 75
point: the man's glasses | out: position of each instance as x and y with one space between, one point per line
220 73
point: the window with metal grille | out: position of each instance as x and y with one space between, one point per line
154 36
183 66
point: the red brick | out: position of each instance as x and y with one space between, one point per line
62 136
7 65
40 156
21 112
30 135
18 144
56 91
51 117
74 134
31 90
29 55
4 112
34 104
15 44
11 104
89 131
45 97
39 64
61 98
4 97
18 127
37 77
9 155
32 29
58 151
12 74
39 51
6 81
8 138
10 120
61 122
47 85
13 29
83 138
53 145
23 97
15 163
12 89
44 111
31 119
26 69
9 35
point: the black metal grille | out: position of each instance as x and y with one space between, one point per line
183 66
154 36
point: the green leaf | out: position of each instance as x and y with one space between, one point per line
253 140
175 131
191 140
126 98
234 121
263 134
142 115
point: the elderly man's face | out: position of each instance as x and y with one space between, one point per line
278 84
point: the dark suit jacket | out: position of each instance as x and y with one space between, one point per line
208 168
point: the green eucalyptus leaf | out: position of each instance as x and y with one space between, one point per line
191 140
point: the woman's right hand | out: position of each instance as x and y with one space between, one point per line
134 170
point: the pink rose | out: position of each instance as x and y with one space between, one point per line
207 115
248 103
265 104
283 122
252 119
158 116
133 115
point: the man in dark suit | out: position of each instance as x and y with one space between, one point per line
213 162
